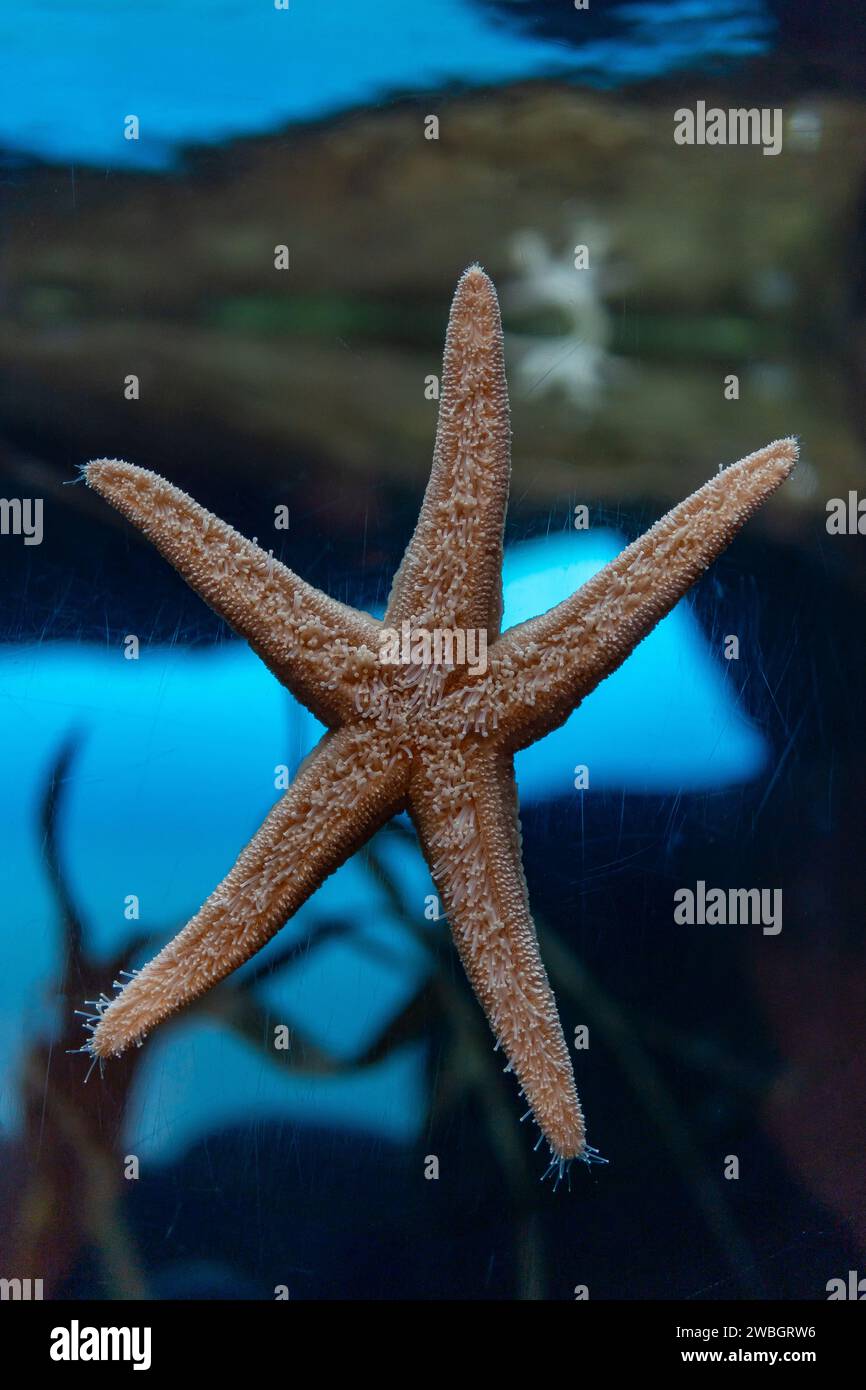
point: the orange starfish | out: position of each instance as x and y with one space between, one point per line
436 738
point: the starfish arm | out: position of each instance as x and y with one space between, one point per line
465 811
318 648
451 574
344 791
540 670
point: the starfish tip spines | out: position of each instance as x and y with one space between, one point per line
738 490
787 449
782 452
114 1035
475 311
103 1045
116 1024
125 485
560 1165
563 1125
102 471
476 277
770 465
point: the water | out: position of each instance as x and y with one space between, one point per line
156 257
195 72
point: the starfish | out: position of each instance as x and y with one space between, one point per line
436 739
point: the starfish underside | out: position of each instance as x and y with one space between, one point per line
434 740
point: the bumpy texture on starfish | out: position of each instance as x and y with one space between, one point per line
435 740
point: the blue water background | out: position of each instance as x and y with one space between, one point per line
176 772
199 72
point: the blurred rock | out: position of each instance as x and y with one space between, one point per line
717 260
